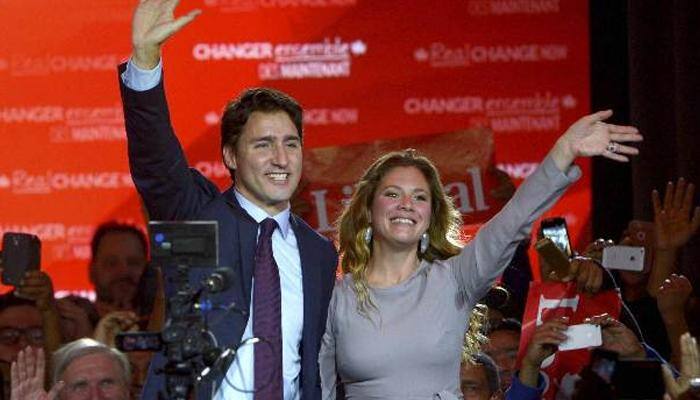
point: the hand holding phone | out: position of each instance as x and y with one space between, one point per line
544 341
113 323
555 259
37 286
617 337
582 336
543 344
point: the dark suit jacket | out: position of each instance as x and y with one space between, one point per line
173 191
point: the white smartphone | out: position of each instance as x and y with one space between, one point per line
581 336
626 258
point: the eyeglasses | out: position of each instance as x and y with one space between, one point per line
10 336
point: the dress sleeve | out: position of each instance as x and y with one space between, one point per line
483 259
326 356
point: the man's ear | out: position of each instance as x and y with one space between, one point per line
229 155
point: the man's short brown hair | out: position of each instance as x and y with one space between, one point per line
267 100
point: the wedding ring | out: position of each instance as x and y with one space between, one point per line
612 147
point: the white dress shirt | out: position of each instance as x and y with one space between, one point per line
239 380
286 253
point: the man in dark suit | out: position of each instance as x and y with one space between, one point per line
261 137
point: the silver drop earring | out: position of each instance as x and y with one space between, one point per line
368 235
424 242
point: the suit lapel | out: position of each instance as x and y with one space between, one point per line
247 231
310 277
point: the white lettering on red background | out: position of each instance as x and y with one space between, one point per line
328 58
461 192
441 55
24 182
540 111
23 65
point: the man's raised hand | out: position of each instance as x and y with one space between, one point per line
153 23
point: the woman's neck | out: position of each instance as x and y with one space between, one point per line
389 266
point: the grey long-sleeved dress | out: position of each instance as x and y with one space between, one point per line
411 348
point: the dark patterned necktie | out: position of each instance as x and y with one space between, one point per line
267 317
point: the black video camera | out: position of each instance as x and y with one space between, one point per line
189 346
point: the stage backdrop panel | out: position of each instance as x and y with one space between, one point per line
516 70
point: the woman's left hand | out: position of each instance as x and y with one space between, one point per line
590 136
36 285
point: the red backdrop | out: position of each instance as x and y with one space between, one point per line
364 70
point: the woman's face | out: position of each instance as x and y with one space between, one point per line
401 207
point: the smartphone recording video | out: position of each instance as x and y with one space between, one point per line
555 229
582 336
625 258
21 252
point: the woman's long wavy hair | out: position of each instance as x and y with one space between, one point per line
443 231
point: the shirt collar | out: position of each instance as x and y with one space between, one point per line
258 214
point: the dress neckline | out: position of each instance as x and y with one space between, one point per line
422 265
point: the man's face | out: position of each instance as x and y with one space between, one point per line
92 377
117 267
20 326
503 349
475 384
267 160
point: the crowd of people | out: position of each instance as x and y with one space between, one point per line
415 313
79 334
654 323
34 323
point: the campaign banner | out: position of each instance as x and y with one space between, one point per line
364 71
464 160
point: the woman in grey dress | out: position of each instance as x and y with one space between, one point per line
397 319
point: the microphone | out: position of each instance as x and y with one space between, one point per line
220 280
